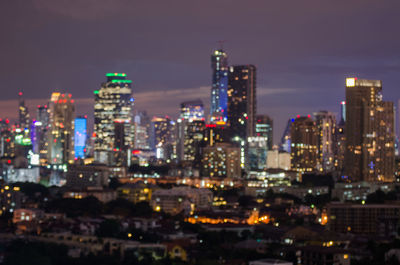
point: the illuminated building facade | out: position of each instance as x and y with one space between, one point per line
242 101
219 97
7 144
113 105
61 134
343 111
163 137
221 161
215 133
191 128
142 131
369 132
277 159
304 140
24 120
340 146
286 142
264 128
257 148
192 110
80 137
42 127
326 124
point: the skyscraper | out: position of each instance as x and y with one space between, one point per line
42 127
80 136
163 137
242 101
142 130
191 126
326 124
304 139
285 144
61 136
219 98
264 128
24 120
113 105
369 132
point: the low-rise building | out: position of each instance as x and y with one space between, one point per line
372 219
180 199
103 195
27 215
136 192
357 191
82 176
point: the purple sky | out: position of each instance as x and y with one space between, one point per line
303 50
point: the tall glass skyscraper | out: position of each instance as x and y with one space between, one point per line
61 137
113 106
219 96
80 137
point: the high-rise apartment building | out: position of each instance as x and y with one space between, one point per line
326 124
191 127
61 132
113 105
219 97
304 140
242 101
221 161
369 132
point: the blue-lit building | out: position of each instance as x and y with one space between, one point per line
219 95
80 137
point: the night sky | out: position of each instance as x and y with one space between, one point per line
303 50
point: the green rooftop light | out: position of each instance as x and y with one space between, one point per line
115 74
121 81
96 92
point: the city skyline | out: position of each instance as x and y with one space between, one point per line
293 79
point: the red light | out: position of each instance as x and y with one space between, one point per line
72 101
60 101
8 140
20 94
309 116
38 106
211 125
85 116
94 135
298 116
135 152
63 95
7 121
55 140
9 161
247 118
45 106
